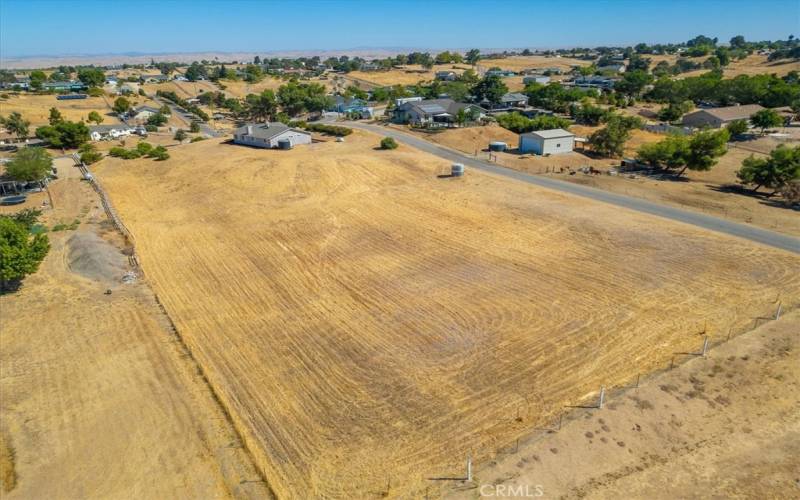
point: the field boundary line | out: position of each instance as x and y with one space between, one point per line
184 347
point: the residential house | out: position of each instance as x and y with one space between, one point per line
508 101
370 66
180 78
543 79
64 86
612 68
101 132
142 113
402 100
446 76
22 83
270 135
547 142
499 72
594 82
349 105
717 117
153 78
441 112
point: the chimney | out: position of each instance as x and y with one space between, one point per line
249 130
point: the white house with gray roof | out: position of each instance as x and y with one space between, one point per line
270 135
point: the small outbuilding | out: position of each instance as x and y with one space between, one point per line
270 135
547 142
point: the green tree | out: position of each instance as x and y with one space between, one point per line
675 110
388 143
30 165
20 252
157 120
705 148
633 82
17 125
95 117
738 42
91 77
64 134
37 79
55 116
775 172
261 107
490 88
670 152
194 127
164 110
737 127
121 105
610 140
473 56
766 118
180 135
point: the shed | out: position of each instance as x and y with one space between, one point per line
544 142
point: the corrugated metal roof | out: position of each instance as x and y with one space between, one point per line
550 134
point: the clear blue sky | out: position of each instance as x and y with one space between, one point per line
45 27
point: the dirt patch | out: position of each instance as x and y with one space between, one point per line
94 258
8 473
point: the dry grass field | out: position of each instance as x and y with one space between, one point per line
519 63
184 90
700 191
98 399
36 108
240 88
369 325
723 426
408 75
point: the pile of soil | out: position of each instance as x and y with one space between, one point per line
94 258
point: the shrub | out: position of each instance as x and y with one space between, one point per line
328 129
198 138
180 135
159 153
95 92
194 127
89 154
151 128
388 143
144 147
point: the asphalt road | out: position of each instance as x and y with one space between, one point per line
758 235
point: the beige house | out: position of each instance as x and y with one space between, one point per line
718 117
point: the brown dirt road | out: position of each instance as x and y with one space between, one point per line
98 398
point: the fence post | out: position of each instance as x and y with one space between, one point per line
778 312
469 468
602 397
705 346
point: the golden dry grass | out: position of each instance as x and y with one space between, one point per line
368 322
240 88
36 108
519 63
97 397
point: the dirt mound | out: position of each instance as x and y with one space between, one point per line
94 258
